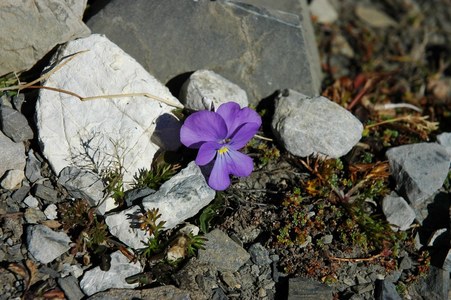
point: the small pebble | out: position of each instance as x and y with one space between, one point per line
31 201
51 212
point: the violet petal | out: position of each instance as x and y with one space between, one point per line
235 117
238 164
219 177
207 153
203 126
243 135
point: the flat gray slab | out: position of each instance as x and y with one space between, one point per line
222 252
30 29
419 170
45 244
12 155
261 50
398 212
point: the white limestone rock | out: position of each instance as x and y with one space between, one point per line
44 244
205 87
178 199
307 125
98 134
96 280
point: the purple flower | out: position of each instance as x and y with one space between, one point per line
218 136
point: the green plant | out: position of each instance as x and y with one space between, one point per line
209 212
149 223
113 179
266 152
194 243
7 81
80 220
155 177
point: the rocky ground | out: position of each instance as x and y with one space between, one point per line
367 218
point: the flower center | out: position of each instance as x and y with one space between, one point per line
223 150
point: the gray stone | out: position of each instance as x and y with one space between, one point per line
419 170
15 253
45 193
198 278
373 16
13 228
398 212
167 292
82 184
33 167
70 287
299 288
178 199
12 179
44 244
34 215
19 195
18 101
14 125
208 280
363 288
72 270
222 252
218 294
12 155
444 139
323 11
307 125
204 88
96 280
51 212
260 49
102 135
230 280
259 254
406 263
447 261
386 290
137 194
5 100
31 201
30 30
434 286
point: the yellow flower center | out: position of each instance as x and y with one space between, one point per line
223 150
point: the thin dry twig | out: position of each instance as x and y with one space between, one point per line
396 105
31 85
344 259
263 138
43 77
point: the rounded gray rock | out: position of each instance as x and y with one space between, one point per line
307 125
